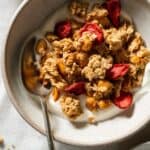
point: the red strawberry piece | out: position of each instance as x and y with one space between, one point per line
63 29
95 29
114 10
124 101
117 71
76 88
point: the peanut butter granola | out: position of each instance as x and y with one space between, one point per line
102 58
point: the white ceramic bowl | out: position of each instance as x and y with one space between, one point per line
29 16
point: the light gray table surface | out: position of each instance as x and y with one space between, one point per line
18 133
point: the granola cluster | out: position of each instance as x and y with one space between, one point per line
103 58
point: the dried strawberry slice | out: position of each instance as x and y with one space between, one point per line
95 29
124 101
76 88
114 9
117 71
63 29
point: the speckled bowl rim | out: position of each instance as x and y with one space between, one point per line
12 97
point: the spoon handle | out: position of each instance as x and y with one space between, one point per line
47 123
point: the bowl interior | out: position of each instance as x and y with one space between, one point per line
29 17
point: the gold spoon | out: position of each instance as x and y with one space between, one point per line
30 77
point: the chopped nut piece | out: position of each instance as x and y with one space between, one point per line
103 104
97 13
102 90
51 37
55 93
135 59
82 59
61 66
91 103
41 47
70 106
65 44
105 86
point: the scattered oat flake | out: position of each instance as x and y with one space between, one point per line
1 140
91 120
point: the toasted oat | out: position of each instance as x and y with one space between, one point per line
70 106
117 38
78 9
51 37
97 13
65 44
49 73
97 66
85 42
135 43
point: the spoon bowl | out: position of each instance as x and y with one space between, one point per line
30 77
30 74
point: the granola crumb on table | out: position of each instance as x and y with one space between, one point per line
91 120
102 57
1 140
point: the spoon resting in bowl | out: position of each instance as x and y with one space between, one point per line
31 82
